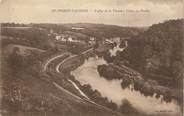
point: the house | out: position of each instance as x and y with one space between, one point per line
109 41
70 39
63 39
58 37
116 39
92 40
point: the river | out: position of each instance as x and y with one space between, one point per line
87 74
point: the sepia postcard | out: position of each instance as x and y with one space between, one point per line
91 57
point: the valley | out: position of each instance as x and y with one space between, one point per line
88 69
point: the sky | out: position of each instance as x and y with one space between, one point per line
133 12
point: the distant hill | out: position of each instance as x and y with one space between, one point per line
94 30
157 52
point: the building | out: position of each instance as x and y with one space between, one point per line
92 40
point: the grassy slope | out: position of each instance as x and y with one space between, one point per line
29 91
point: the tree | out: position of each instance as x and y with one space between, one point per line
126 107
15 60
